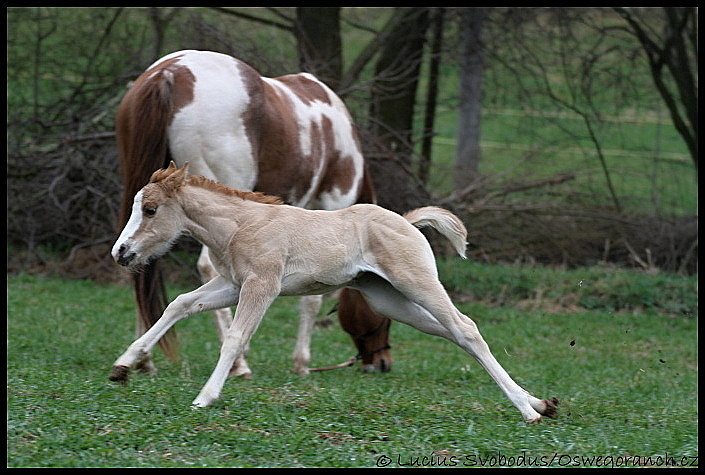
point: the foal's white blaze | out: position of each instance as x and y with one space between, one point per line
132 225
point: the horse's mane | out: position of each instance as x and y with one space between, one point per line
203 182
161 176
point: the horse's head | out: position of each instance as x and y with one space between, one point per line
156 221
369 331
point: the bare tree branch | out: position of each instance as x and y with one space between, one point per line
671 52
372 48
265 21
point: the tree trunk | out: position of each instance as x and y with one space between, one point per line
160 17
319 43
431 96
467 155
392 111
673 59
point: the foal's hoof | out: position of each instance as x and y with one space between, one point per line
119 374
551 410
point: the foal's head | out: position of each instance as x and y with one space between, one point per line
156 220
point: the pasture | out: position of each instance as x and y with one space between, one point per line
619 349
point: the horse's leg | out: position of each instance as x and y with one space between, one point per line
256 295
432 312
216 293
223 317
309 306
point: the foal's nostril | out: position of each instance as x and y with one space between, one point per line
123 256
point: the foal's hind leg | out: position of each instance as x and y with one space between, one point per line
223 317
467 336
434 313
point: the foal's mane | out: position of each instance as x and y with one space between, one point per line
163 177
203 182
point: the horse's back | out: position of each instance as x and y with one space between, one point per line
290 136
324 166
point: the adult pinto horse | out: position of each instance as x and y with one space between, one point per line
262 249
289 136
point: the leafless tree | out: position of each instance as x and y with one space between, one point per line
669 37
467 155
68 68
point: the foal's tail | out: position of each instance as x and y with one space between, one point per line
140 127
442 221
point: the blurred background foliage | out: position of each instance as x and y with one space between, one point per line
578 120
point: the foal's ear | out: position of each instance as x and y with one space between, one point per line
172 166
176 176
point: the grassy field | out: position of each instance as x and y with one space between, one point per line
621 354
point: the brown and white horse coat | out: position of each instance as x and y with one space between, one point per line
289 136
262 250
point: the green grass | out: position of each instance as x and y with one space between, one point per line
626 376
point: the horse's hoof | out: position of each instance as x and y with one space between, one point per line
120 374
551 410
240 373
146 367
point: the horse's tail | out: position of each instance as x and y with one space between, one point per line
141 123
367 189
442 221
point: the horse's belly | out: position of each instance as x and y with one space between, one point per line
298 284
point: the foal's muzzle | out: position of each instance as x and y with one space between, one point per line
124 255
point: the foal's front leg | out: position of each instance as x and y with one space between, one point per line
222 317
216 293
256 295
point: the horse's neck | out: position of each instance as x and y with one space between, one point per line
212 217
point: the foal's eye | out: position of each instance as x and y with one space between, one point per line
149 210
